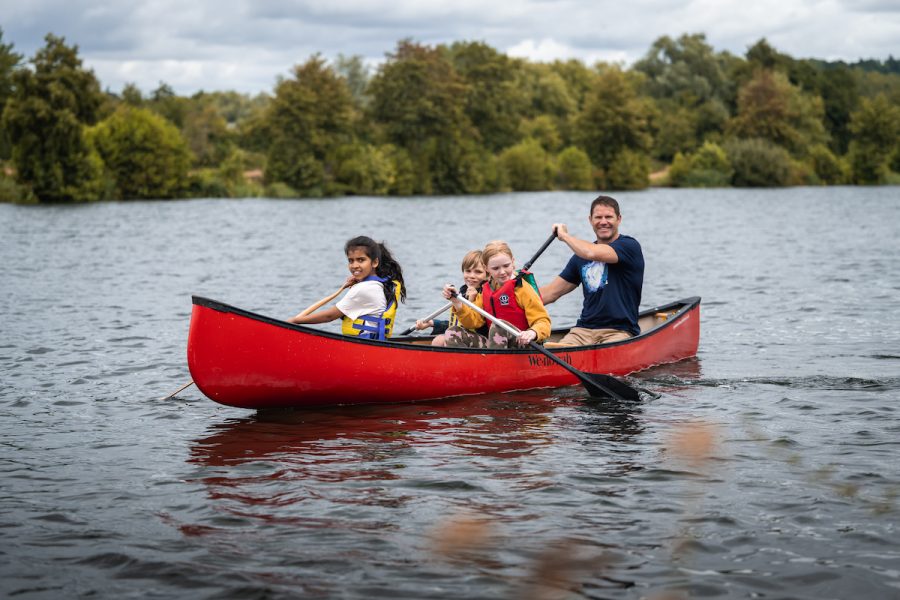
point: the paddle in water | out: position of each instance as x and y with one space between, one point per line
524 269
598 385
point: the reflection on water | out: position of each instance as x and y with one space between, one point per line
372 444
500 426
765 467
320 472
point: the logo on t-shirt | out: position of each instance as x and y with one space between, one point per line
594 275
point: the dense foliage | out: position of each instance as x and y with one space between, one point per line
144 154
457 119
45 119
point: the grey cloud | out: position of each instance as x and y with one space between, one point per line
868 6
236 44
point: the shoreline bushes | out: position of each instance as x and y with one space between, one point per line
457 119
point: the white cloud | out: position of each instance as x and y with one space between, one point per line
547 50
245 45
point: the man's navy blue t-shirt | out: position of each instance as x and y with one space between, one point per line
612 292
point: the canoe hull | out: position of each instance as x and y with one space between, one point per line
242 359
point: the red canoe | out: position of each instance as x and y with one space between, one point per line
243 359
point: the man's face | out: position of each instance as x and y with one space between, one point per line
605 223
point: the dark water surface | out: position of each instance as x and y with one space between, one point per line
767 467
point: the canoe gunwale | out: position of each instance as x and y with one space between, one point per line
683 306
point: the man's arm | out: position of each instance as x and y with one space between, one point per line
586 250
326 315
556 289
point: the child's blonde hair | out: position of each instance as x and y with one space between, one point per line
472 259
494 248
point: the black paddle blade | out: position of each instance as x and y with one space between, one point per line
607 386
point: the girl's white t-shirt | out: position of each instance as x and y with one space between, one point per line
364 298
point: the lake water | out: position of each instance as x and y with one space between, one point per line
766 468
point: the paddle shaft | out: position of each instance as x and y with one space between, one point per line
525 267
181 389
429 317
590 383
320 303
549 241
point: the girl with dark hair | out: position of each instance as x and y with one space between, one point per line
376 288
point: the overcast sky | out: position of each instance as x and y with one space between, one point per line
244 45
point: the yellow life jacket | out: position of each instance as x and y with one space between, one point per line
371 327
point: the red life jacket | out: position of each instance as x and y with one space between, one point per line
503 305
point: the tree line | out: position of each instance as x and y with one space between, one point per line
461 118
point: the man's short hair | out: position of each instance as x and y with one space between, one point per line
606 201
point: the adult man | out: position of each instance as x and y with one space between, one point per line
611 273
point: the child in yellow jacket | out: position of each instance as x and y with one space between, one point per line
506 297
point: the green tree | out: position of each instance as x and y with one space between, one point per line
252 127
676 130
206 133
833 82
418 101
840 95
167 103
574 170
460 165
615 119
9 63
232 106
762 55
544 129
131 95
829 169
527 166
231 172
547 91
494 103
578 79
688 81
876 128
356 74
404 180
309 118
417 95
556 91
686 70
628 171
758 163
144 154
365 169
771 108
46 118
707 167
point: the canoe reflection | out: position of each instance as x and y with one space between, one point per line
495 425
387 456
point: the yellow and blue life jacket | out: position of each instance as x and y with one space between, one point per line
372 327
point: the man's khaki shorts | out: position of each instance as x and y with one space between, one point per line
582 336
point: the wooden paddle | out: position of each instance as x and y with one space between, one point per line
322 302
524 268
306 311
179 390
597 385
429 317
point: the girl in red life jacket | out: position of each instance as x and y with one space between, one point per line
505 297
369 308
474 276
